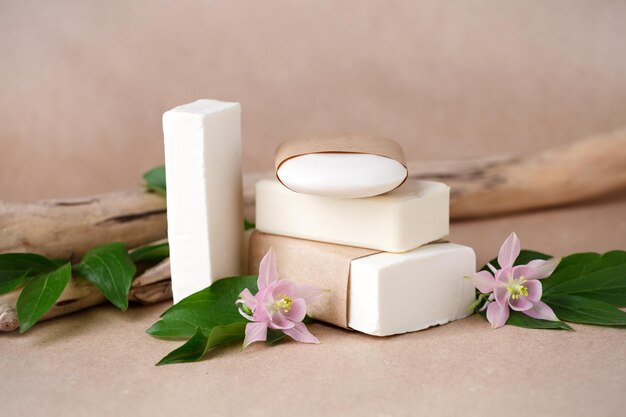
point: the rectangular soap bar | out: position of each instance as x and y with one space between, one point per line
393 293
204 193
413 214
377 293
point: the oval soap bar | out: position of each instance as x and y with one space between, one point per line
341 166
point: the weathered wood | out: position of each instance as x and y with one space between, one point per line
157 273
8 318
564 175
152 286
66 229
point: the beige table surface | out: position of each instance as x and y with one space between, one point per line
100 362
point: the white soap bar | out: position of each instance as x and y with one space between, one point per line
393 293
204 193
342 175
412 215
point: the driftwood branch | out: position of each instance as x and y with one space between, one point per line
564 175
152 286
66 229
480 187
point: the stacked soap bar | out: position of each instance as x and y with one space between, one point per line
350 166
412 284
397 221
379 293
394 293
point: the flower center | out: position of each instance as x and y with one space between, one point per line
283 304
516 287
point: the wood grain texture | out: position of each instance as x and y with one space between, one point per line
563 175
66 229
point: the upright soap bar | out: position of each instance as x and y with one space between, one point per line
204 193
413 214
393 293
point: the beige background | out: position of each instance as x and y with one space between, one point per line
82 88
83 83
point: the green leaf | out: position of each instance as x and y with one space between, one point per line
58 262
40 294
590 275
8 284
111 269
202 342
274 336
247 225
578 309
191 351
172 329
155 180
151 253
17 268
522 320
206 309
524 257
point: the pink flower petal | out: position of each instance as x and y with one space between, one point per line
267 270
309 293
521 304
248 299
255 332
539 269
509 251
534 290
266 295
261 314
279 321
284 288
484 281
264 299
300 333
497 315
541 311
502 296
505 274
520 271
297 311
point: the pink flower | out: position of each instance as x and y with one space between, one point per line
279 304
517 287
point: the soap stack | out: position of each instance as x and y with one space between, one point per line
342 214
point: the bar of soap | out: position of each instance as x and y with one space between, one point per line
393 293
342 175
378 293
412 215
204 193
342 166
